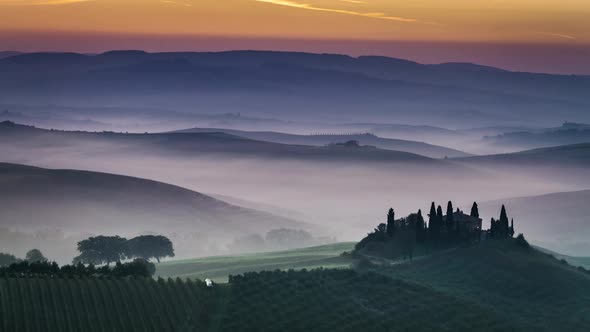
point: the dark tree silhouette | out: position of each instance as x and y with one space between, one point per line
420 227
101 250
433 227
511 234
492 227
391 222
35 255
150 246
474 210
7 259
439 216
503 223
450 222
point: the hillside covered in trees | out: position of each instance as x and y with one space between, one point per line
406 236
498 285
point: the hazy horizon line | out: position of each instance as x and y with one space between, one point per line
264 50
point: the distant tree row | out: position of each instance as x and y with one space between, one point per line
138 267
32 256
100 250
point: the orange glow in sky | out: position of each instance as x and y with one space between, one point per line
531 35
540 21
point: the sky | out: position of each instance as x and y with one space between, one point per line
535 35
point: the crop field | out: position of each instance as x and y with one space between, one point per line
97 304
220 267
493 286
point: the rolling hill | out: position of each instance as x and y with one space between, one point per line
17 137
80 202
529 289
424 149
68 199
558 221
566 156
568 133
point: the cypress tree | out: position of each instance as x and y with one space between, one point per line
450 221
439 217
504 222
474 210
432 227
511 227
391 222
420 230
492 227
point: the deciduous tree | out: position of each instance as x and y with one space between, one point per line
150 246
34 256
102 250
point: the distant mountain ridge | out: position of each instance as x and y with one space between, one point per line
297 86
7 54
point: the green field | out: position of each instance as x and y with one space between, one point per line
220 267
496 285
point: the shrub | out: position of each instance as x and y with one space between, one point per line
521 241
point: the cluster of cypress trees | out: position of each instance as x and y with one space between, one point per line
443 227
500 228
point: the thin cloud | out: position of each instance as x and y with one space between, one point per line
300 5
353 1
558 35
176 3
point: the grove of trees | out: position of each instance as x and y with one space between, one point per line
100 250
35 255
402 235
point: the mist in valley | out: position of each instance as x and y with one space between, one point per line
366 134
332 196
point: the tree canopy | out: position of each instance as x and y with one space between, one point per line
474 210
7 259
150 246
102 250
35 255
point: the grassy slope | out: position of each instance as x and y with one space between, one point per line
572 260
496 286
143 203
218 268
525 286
